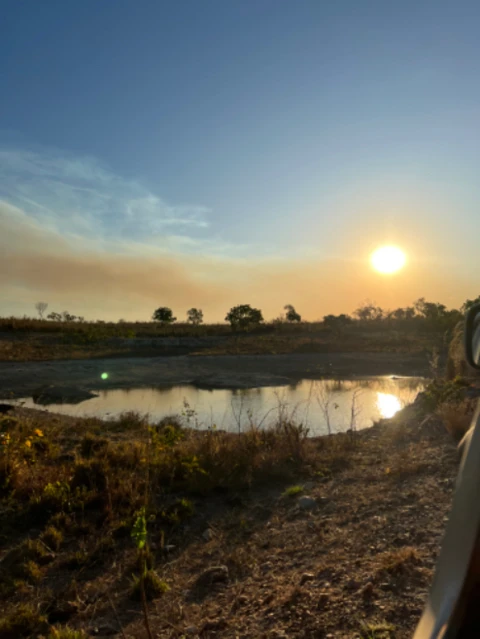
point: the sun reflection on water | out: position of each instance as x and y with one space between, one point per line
388 404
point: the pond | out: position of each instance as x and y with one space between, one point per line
328 405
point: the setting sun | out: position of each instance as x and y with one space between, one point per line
388 259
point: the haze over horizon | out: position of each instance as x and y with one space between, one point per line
210 154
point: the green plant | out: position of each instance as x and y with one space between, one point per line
146 580
167 433
55 496
139 530
292 491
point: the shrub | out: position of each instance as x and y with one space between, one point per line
90 475
31 572
336 322
52 537
91 444
153 585
440 391
399 561
66 633
54 498
457 417
22 621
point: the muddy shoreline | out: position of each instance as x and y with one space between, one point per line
19 379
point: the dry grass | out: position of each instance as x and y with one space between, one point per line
399 561
457 416
69 501
33 339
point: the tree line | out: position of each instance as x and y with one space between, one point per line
242 316
245 316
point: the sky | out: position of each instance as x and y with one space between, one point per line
213 153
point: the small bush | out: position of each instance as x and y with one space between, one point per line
399 561
377 630
91 445
66 633
22 621
153 585
54 498
77 560
131 420
52 537
456 417
31 572
90 475
440 391
21 562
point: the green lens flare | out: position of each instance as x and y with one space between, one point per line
104 375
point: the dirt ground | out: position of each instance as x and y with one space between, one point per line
348 552
19 379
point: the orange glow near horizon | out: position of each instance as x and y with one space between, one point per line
388 259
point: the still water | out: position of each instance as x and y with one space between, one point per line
324 405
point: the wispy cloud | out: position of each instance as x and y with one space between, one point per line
131 279
80 196
74 233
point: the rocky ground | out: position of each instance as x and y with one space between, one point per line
19 379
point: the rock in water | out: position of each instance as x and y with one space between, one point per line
61 395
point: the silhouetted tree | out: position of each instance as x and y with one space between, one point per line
41 308
430 310
291 315
336 322
164 315
55 317
402 313
368 311
243 317
469 303
195 316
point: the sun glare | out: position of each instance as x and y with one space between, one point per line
388 259
388 404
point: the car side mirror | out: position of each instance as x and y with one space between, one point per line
472 336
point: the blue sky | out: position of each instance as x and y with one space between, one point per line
273 133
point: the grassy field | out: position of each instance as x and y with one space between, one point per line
29 339
110 527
